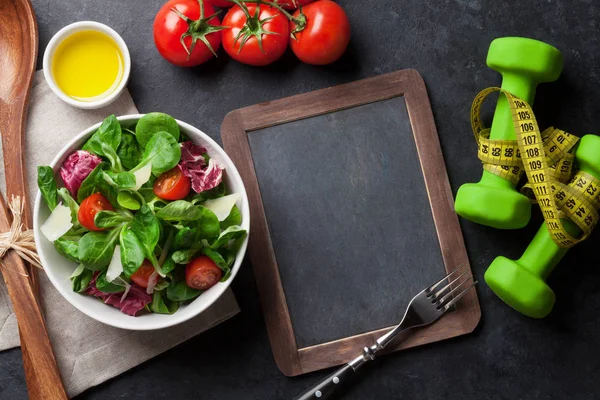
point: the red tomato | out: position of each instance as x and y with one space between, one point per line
324 37
189 23
293 4
202 273
253 34
90 207
220 3
172 185
142 275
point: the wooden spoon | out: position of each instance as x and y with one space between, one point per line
18 54
41 370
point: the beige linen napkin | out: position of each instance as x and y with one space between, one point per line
88 352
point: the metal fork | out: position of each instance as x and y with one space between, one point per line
425 308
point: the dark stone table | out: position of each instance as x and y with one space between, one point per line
509 356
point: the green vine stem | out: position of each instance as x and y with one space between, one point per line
198 29
299 21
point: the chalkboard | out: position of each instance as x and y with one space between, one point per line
351 216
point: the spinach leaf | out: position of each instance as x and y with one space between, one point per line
128 200
107 287
68 248
178 290
146 227
47 186
95 183
234 218
162 151
129 150
184 238
168 266
109 219
154 122
179 210
231 233
132 251
219 260
80 282
119 180
161 284
208 226
160 305
105 141
184 256
96 248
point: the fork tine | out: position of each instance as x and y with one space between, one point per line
445 288
435 285
453 301
442 300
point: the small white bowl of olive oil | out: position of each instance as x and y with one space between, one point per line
87 64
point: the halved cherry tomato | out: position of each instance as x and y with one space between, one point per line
255 35
142 275
90 207
185 36
202 273
325 35
172 185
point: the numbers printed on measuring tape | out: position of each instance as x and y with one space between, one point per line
547 161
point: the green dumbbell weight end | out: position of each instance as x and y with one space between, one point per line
521 283
523 63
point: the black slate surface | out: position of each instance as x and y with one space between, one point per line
509 356
349 218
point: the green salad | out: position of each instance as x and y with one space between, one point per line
145 215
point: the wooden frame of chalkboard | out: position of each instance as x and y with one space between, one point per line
290 359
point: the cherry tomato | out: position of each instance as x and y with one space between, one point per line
172 185
257 47
142 275
220 3
324 37
90 207
179 19
293 4
202 273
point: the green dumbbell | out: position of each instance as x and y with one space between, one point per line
521 283
523 63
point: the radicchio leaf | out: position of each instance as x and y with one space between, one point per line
136 299
193 165
76 168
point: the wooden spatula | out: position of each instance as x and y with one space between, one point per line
18 54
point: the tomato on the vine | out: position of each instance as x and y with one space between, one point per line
220 3
256 34
90 207
187 32
320 32
292 4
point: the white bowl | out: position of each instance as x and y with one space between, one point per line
58 268
68 31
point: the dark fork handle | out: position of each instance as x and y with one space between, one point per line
326 388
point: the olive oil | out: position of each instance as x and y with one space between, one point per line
87 65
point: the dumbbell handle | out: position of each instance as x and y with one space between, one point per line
542 254
521 86
502 124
